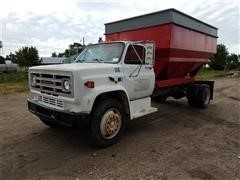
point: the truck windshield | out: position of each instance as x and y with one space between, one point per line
103 53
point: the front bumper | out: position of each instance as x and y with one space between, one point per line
58 116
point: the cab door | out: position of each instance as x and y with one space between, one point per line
139 77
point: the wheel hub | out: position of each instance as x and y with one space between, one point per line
111 123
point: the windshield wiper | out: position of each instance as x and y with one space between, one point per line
99 60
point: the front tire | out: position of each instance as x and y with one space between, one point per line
107 123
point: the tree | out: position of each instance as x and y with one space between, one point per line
54 54
12 57
27 56
233 62
67 53
61 55
220 58
2 60
75 48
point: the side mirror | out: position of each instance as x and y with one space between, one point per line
150 51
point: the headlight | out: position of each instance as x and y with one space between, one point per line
34 80
66 85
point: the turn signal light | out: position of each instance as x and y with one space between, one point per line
90 84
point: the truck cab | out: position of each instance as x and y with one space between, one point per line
107 84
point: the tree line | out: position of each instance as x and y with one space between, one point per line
25 57
74 49
223 60
28 56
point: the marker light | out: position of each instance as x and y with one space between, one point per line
90 84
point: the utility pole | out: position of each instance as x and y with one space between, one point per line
1 45
1 37
83 40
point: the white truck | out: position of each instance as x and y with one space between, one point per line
114 81
97 86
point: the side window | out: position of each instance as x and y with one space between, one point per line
131 56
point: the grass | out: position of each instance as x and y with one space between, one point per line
18 82
204 74
13 82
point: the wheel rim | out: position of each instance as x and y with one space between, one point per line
111 123
206 96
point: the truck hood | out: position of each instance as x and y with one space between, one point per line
75 67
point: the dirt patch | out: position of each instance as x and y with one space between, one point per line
177 142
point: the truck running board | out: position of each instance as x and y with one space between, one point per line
141 107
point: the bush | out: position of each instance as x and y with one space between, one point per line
27 56
13 77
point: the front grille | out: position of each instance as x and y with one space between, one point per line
50 101
51 84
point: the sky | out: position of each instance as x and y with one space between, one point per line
51 25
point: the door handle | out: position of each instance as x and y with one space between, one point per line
148 67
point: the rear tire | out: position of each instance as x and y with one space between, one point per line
107 123
199 95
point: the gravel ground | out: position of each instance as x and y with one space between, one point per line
177 142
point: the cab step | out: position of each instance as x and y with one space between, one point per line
141 107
